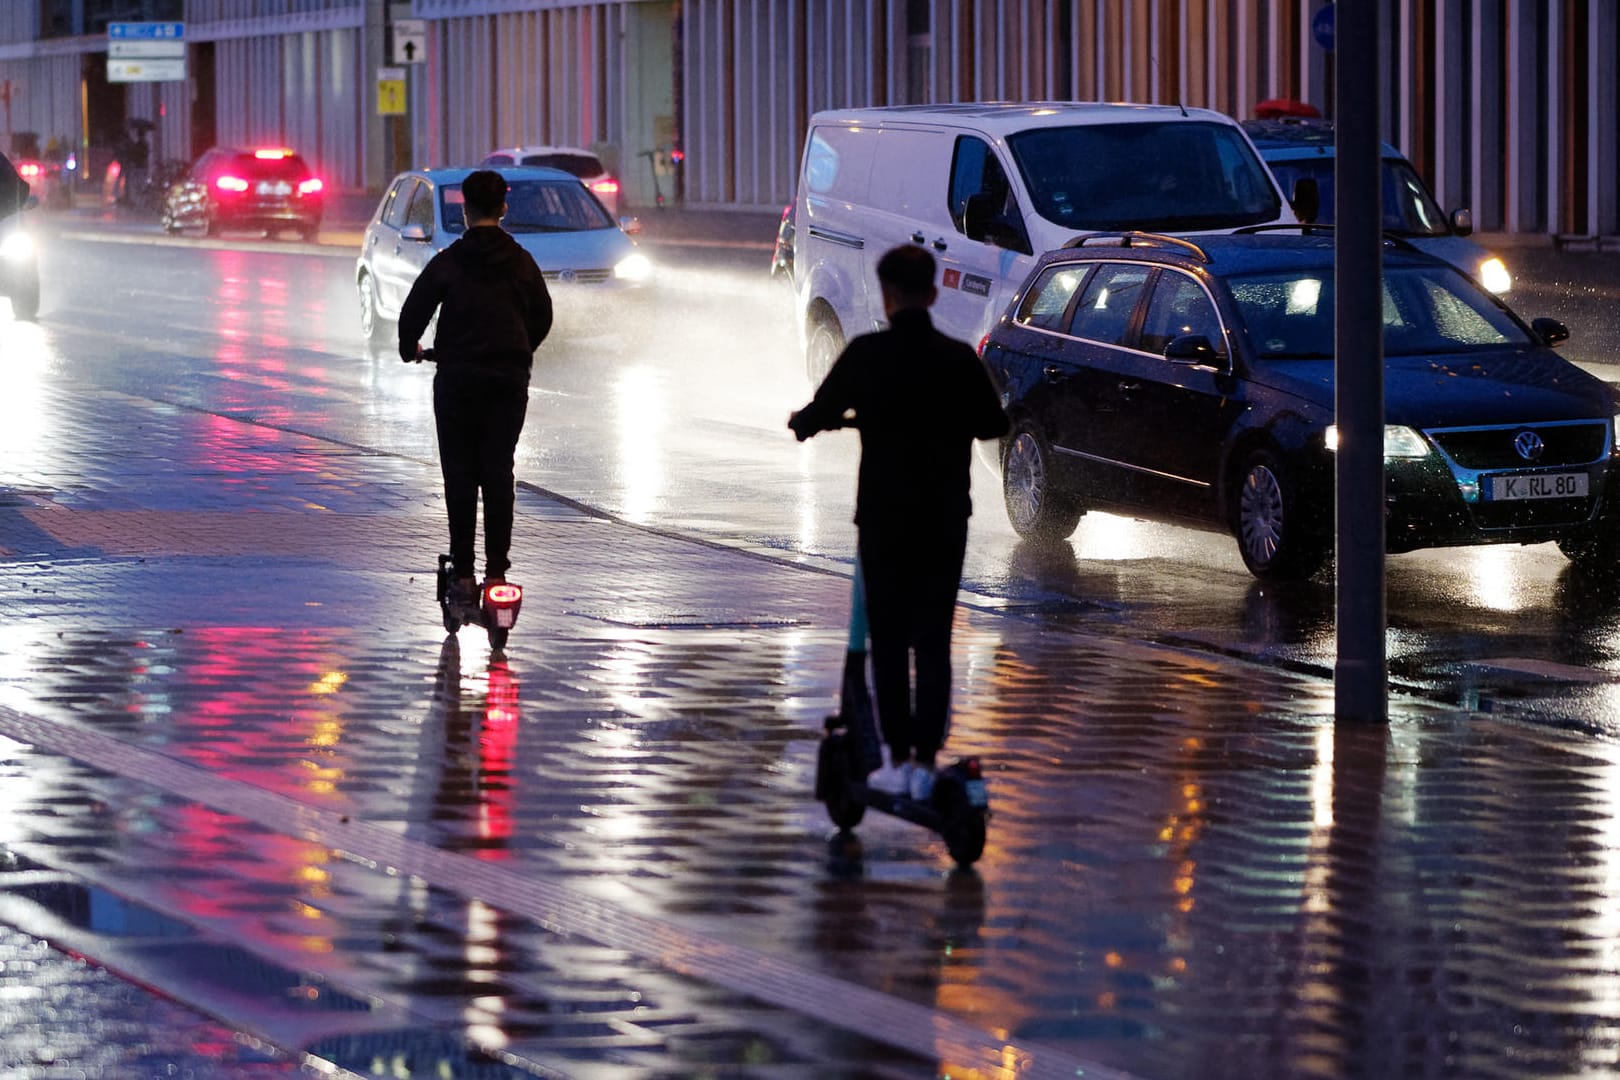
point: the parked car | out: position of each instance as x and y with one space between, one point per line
570 159
782 253
1192 382
19 260
987 187
270 189
585 256
1301 148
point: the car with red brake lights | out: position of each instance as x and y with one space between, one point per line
268 190
570 159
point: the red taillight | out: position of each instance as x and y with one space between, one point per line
982 343
503 594
972 769
29 170
312 186
609 186
231 183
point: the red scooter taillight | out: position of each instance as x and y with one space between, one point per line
501 604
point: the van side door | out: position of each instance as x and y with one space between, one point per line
830 230
987 253
910 178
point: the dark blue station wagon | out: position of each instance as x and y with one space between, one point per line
1193 383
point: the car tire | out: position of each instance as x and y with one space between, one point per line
211 226
825 344
25 299
1035 506
1597 555
169 225
370 318
1273 532
308 233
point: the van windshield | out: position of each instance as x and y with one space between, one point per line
1178 176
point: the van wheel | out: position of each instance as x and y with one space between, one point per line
825 344
1035 507
1273 530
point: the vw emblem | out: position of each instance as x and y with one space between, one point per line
1529 445
568 275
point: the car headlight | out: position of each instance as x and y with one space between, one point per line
1493 274
17 246
636 267
1399 441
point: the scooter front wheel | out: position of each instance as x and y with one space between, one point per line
833 779
963 825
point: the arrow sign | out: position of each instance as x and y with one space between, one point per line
410 41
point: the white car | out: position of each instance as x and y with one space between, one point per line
587 258
570 159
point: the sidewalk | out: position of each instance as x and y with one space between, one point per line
241 763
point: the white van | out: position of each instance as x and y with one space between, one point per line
987 187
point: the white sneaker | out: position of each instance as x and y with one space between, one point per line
920 785
894 779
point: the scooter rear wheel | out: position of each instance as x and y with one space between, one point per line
833 779
498 636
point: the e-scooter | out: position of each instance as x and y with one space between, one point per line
959 807
495 607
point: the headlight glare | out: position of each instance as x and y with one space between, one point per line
1493 274
17 246
1399 441
636 267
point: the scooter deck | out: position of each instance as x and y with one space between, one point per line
900 806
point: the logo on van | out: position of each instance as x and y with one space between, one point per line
973 283
951 279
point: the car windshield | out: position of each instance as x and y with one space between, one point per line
535 206
1172 177
1427 310
1409 209
583 166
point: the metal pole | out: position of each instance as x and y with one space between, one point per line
1361 675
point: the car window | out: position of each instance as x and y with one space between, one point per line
420 210
975 170
497 159
200 170
1162 177
1179 306
1108 301
398 200
580 165
537 206
1427 309
1046 305
1408 208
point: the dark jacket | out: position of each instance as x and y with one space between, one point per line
919 399
494 309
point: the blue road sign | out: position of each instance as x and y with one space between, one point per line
146 31
1322 27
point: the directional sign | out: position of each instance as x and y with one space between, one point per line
410 41
390 91
163 69
148 31
1322 27
145 49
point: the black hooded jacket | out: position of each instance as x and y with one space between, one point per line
494 309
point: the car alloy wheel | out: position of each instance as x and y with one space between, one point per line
823 348
1036 509
1272 537
368 307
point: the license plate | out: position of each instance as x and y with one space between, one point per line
1540 486
505 618
976 793
274 187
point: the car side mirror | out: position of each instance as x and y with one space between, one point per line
414 231
1306 200
1192 349
631 225
1550 331
1462 221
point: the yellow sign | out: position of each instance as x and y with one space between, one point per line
391 91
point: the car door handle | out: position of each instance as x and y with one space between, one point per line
917 238
1053 373
940 245
1129 387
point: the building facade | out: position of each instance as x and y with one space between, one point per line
1506 106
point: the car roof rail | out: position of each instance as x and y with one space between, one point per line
1306 228
1136 238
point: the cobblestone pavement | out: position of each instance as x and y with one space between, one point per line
242 766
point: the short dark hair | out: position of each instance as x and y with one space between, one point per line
484 193
908 271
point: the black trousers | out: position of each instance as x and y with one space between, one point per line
479 418
911 576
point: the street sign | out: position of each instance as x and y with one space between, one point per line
147 31
146 70
391 91
410 41
1322 27
146 52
